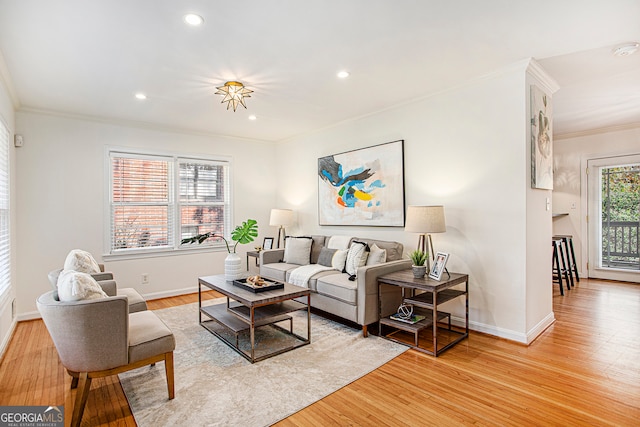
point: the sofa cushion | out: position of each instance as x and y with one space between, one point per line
356 257
338 286
325 257
277 270
339 242
339 259
376 255
82 261
316 247
77 286
394 249
298 250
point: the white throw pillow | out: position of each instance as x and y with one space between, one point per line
297 250
356 257
82 261
77 286
339 242
339 259
376 255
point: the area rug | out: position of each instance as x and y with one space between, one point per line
215 386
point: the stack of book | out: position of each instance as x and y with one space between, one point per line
414 318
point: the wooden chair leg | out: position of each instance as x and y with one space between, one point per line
168 369
74 379
365 332
81 398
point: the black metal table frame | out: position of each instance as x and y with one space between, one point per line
254 319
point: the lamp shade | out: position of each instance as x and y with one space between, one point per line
425 219
281 217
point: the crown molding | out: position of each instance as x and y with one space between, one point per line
541 75
597 131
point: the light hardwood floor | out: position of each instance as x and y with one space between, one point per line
583 370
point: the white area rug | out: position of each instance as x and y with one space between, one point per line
215 386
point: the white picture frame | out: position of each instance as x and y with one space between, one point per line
439 265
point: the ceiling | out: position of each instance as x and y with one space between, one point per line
89 58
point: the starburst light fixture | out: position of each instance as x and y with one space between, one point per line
234 93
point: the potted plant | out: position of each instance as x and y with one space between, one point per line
418 258
244 233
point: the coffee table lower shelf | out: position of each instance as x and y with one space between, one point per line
232 325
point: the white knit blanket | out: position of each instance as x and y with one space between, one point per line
301 275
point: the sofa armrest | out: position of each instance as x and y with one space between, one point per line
367 291
109 287
102 276
271 256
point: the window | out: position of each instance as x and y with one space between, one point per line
146 214
5 244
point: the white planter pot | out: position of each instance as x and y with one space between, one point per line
233 267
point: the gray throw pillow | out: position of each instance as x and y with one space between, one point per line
298 250
326 255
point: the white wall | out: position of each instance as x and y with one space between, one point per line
61 200
570 155
7 116
466 149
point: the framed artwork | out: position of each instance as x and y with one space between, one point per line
541 140
439 265
268 243
362 187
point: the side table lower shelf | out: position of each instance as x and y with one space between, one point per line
414 328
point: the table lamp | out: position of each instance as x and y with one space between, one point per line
425 220
280 218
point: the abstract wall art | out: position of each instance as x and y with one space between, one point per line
541 140
363 187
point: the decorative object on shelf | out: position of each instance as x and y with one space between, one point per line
234 93
405 311
439 266
362 187
268 243
280 218
244 233
425 220
541 140
419 258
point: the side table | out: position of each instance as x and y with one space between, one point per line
426 295
254 254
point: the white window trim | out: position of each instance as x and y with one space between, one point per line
7 291
177 249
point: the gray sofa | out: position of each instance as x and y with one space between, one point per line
332 291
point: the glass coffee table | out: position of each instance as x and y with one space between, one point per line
251 323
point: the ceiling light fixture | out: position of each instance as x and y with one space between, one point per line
141 96
253 117
626 49
193 19
343 74
234 93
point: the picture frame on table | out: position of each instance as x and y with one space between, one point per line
439 265
268 243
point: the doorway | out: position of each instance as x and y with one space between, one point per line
614 218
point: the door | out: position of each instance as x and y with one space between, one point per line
614 217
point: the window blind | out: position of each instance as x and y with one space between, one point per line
145 214
5 243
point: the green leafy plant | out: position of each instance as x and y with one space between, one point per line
418 257
244 233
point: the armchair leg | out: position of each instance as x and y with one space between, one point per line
365 332
168 369
81 399
74 379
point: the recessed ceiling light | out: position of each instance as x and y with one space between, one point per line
626 49
141 96
343 74
193 19
253 117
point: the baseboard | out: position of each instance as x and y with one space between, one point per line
7 338
491 330
171 293
540 327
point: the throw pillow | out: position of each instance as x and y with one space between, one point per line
376 255
77 286
82 261
326 255
297 250
356 257
339 259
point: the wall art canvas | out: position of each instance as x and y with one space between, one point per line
541 140
363 187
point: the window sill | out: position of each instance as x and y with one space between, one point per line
136 254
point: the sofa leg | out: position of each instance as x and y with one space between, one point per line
365 333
